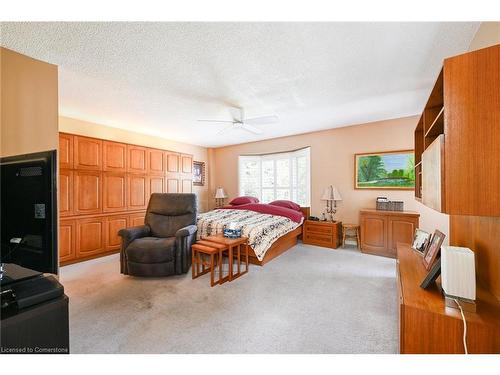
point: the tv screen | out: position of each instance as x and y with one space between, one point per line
29 211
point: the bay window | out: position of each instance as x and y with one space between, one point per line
284 175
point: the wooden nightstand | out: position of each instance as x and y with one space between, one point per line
322 233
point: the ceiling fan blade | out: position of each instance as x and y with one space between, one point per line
225 129
262 120
251 129
216 121
236 113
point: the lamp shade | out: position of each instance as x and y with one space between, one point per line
326 194
331 193
220 193
336 195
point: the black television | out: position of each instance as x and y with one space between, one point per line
29 211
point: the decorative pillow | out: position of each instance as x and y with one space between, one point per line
243 200
287 204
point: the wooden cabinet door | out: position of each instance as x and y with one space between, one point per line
156 184
87 192
472 135
114 156
401 229
87 153
172 185
67 240
113 225
433 175
137 159
187 174
187 164
187 185
173 162
156 162
138 192
373 233
136 220
114 192
65 192
65 151
89 236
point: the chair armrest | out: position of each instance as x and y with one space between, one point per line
132 233
184 239
128 235
186 231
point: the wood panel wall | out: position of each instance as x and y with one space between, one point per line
105 186
482 235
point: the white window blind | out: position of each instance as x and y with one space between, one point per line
270 177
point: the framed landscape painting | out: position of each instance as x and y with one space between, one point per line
393 170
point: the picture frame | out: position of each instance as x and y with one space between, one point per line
387 170
433 249
432 275
198 173
420 242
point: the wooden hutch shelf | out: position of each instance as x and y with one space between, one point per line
429 127
455 138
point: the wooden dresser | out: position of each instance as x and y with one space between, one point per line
322 233
426 325
105 186
382 230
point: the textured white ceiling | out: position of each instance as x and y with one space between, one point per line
159 78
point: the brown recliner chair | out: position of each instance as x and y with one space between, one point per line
162 246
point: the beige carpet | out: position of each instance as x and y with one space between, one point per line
309 300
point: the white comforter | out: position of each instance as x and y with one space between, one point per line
262 230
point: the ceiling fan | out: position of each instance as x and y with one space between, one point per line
240 122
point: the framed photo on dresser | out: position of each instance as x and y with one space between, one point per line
420 241
433 249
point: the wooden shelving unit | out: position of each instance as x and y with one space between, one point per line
429 127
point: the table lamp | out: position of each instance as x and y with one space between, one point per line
220 195
331 195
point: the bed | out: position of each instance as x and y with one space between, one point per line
271 231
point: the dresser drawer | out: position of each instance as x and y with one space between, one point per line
320 229
318 239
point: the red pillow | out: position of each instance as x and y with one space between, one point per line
287 204
243 200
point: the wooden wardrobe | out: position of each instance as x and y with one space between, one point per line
104 186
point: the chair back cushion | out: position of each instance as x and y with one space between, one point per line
170 212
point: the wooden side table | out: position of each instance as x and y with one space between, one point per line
322 233
234 246
351 231
214 251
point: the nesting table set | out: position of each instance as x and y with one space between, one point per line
208 253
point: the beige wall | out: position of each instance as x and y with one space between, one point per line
89 129
29 104
332 162
487 35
